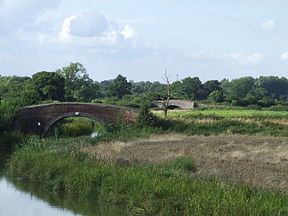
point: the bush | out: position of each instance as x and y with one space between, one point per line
146 118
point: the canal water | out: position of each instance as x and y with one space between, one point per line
18 198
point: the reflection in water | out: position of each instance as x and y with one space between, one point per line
23 199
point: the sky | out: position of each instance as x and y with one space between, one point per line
211 39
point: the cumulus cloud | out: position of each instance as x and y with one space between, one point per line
93 29
88 24
284 56
128 32
268 25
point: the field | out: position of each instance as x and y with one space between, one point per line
228 113
227 121
254 160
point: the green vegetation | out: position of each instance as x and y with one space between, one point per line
170 188
228 114
72 83
165 189
74 127
225 121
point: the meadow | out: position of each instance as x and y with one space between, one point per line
225 121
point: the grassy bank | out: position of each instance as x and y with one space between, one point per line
165 189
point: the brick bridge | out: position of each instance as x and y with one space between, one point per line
40 118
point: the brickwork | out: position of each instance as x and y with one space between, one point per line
39 119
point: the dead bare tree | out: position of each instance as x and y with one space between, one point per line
166 98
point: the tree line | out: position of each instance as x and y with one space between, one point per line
73 84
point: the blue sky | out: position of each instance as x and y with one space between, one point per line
211 39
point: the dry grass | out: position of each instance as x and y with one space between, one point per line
260 161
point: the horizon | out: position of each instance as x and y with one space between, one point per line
208 39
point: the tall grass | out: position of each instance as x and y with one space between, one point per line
147 190
226 113
213 121
74 126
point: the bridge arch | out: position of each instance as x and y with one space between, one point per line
54 121
40 118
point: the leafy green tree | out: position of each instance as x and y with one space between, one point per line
78 85
216 96
274 87
177 90
87 92
237 89
211 86
49 86
192 88
120 87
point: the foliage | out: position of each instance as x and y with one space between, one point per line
78 85
191 87
146 118
216 96
120 87
73 127
49 85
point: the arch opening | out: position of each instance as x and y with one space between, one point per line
73 125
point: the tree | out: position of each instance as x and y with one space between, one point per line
78 85
120 87
211 86
49 86
167 96
237 89
177 90
216 96
274 87
192 88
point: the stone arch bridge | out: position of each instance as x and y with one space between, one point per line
40 118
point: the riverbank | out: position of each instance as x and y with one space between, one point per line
18 197
168 188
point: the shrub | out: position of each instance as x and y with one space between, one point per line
146 118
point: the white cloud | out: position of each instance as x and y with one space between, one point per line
248 59
128 32
268 25
241 58
284 56
93 29
88 24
